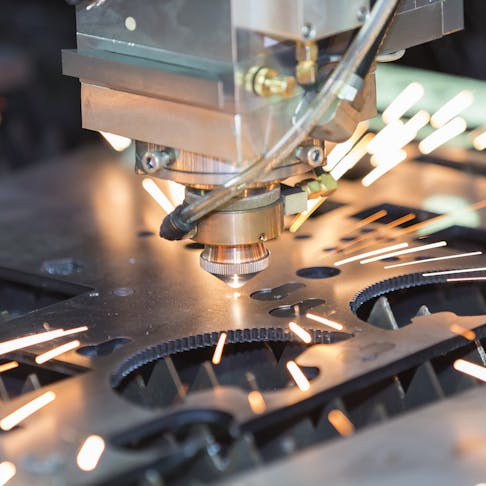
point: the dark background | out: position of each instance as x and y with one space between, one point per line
39 108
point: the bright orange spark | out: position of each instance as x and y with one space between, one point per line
326 322
13 419
218 352
340 422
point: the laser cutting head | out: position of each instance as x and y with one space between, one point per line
208 87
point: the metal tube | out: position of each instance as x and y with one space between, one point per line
323 100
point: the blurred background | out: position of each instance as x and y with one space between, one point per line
40 108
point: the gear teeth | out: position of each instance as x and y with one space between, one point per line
381 315
285 442
136 391
425 387
31 383
3 390
244 455
205 378
164 384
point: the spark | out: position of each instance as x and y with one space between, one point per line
177 192
382 168
312 206
371 219
398 246
479 141
159 197
326 322
384 139
13 419
465 279
436 219
300 332
417 122
257 402
366 221
470 369
452 272
353 157
452 108
54 353
299 377
7 472
396 139
370 235
341 149
218 352
443 135
26 341
403 219
403 102
8 366
90 453
117 142
436 259
462 331
340 422
415 249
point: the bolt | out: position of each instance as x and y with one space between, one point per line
361 14
150 163
308 31
315 156
154 161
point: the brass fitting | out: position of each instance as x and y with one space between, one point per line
307 53
323 185
266 82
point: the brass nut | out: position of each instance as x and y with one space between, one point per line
267 82
328 183
306 72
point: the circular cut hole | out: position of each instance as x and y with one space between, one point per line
130 24
252 359
145 233
318 272
395 302
303 236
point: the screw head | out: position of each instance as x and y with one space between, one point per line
308 31
150 163
361 14
315 156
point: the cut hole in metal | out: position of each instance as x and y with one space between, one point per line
21 293
105 348
145 234
277 293
252 359
391 304
303 236
297 309
318 272
28 376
